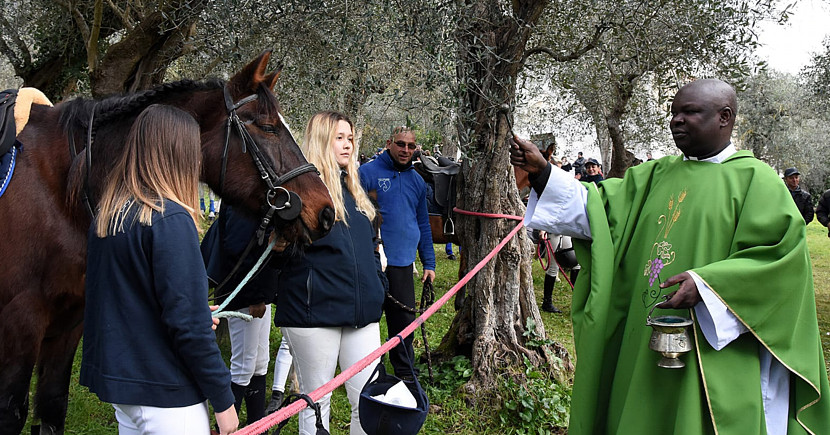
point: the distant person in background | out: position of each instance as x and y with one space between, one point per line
649 157
803 199
213 203
567 167
823 210
592 172
448 250
402 202
579 164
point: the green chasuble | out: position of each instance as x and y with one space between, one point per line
735 225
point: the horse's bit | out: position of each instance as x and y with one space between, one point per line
285 203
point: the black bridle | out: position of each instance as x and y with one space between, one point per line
285 203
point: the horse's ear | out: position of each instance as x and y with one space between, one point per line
253 73
271 80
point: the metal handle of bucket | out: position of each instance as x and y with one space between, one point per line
648 319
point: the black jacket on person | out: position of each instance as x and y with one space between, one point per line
823 210
579 165
804 202
223 245
337 282
592 178
147 328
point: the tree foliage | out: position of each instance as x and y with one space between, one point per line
648 50
816 75
447 67
63 46
781 119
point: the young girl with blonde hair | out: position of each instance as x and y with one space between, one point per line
329 301
149 347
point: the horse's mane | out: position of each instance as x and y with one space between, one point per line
74 118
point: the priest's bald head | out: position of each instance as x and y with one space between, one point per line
703 115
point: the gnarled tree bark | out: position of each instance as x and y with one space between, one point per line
491 325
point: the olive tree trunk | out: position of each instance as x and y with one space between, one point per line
491 326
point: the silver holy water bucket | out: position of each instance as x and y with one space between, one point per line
670 338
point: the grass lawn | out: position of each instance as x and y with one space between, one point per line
87 415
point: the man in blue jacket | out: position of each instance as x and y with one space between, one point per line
402 202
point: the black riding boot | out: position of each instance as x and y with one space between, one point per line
255 398
275 402
574 274
547 299
238 394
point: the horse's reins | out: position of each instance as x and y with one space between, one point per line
85 194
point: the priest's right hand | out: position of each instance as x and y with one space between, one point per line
526 155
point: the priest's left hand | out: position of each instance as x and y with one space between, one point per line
686 295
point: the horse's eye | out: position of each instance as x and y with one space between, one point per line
271 129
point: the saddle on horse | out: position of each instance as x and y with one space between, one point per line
15 106
441 174
8 132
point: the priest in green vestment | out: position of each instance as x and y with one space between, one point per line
711 235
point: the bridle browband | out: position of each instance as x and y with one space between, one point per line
286 204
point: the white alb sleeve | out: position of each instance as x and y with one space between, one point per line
719 325
561 207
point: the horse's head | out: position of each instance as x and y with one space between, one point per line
256 163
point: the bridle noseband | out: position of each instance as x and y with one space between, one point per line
286 204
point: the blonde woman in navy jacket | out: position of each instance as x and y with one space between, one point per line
329 301
149 348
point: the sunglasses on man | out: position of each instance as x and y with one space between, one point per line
401 144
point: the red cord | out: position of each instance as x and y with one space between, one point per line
267 422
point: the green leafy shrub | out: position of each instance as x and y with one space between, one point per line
537 405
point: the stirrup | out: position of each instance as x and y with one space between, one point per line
451 225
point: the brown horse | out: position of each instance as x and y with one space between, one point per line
45 228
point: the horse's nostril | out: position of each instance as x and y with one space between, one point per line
326 219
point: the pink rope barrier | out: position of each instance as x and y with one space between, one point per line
267 422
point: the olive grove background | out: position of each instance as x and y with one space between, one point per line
444 67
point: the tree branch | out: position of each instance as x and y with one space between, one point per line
92 44
21 60
78 17
576 54
123 15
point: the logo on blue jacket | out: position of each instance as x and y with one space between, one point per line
384 184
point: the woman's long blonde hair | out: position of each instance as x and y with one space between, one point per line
319 135
160 161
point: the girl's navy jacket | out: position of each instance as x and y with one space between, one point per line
147 326
223 245
338 282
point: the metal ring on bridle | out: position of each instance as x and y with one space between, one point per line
273 194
